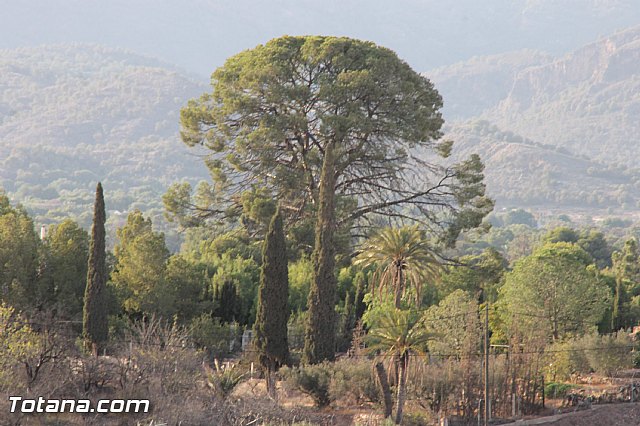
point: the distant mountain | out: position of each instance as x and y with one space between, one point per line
553 131
71 115
587 102
523 173
470 88
200 34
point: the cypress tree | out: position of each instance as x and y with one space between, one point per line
320 333
94 319
361 289
273 311
227 301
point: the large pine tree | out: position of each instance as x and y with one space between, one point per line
94 318
273 311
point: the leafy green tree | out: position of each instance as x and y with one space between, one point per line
19 258
67 253
594 243
553 293
94 319
561 234
403 260
139 273
227 301
480 275
519 217
275 108
273 311
361 289
398 334
325 122
235 288
18 343
626 270
300 276
187 284
456 323
591 241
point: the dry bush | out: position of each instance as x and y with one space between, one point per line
353 383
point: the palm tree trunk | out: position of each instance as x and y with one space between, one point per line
398 284
386 390
402 386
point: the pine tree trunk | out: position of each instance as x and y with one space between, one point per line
320 335
402 387
386 390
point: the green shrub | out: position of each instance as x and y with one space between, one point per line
213 336
347 380
416 419
311 379
557 390
352 380
609 353
567 358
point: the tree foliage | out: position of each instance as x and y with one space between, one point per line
404 262
66 258
18 257
553 293
274 109
273 312
139 273
478 275
94 318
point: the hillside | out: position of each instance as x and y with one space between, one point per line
75 114
554 132
521 172
587 101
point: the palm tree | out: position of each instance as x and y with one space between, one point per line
402 258
396 335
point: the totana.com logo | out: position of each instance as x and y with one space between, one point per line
41 405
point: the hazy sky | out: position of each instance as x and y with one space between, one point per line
199 34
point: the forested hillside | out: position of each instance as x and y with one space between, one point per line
524 172
553 131
587 101
76 114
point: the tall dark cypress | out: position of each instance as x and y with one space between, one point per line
94 319
273 311
320 333
361 289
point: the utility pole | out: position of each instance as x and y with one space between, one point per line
486 364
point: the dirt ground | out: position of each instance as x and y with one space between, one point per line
624 414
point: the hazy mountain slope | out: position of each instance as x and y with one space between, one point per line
578 115
73 115
471 87
586 102
521 172
200 34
